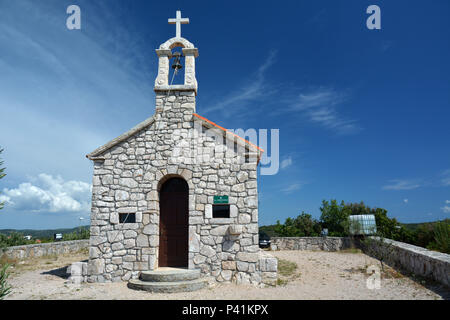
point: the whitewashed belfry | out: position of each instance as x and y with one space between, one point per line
178 191
165 53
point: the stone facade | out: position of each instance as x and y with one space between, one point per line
176 142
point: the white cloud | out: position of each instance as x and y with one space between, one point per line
405 200
446 209
398 184
255 89
48 194
291 188
317 97
319 104
446 178
286 163
63 88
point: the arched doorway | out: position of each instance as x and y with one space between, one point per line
173 223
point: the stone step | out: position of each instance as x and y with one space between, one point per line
170 275
168 287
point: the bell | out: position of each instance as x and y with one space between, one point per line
176 64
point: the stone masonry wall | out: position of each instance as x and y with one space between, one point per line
414 259
311 243
128 181
45 249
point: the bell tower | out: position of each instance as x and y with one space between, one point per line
165 53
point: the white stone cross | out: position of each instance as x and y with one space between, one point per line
178 21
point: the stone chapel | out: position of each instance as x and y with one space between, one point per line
177 191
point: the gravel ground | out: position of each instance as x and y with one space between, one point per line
319 275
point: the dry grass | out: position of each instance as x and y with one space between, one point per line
350 250
54 261
386 273
324 275
287 271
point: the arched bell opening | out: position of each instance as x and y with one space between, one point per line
177 67
186 74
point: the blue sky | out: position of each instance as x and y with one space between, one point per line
363 114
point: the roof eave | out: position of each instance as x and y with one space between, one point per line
228 134
95 155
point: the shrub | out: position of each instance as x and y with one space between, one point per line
442 236
302 226
286 267
379 248
5 289
334 217
80 234
13 239
424 235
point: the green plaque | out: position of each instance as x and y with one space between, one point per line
220 199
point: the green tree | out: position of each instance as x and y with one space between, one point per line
424 235
386 226
13 239
358 208
302 226
334 217
80 234
287 229
307 226
442 236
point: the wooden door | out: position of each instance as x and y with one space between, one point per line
173 225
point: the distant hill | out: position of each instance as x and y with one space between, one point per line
415 226
38 234
270 229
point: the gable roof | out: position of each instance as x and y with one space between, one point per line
230 135
96 154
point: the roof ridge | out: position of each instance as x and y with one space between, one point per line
97 152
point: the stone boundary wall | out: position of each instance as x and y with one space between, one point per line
311 243
407 257
44 249
417 260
